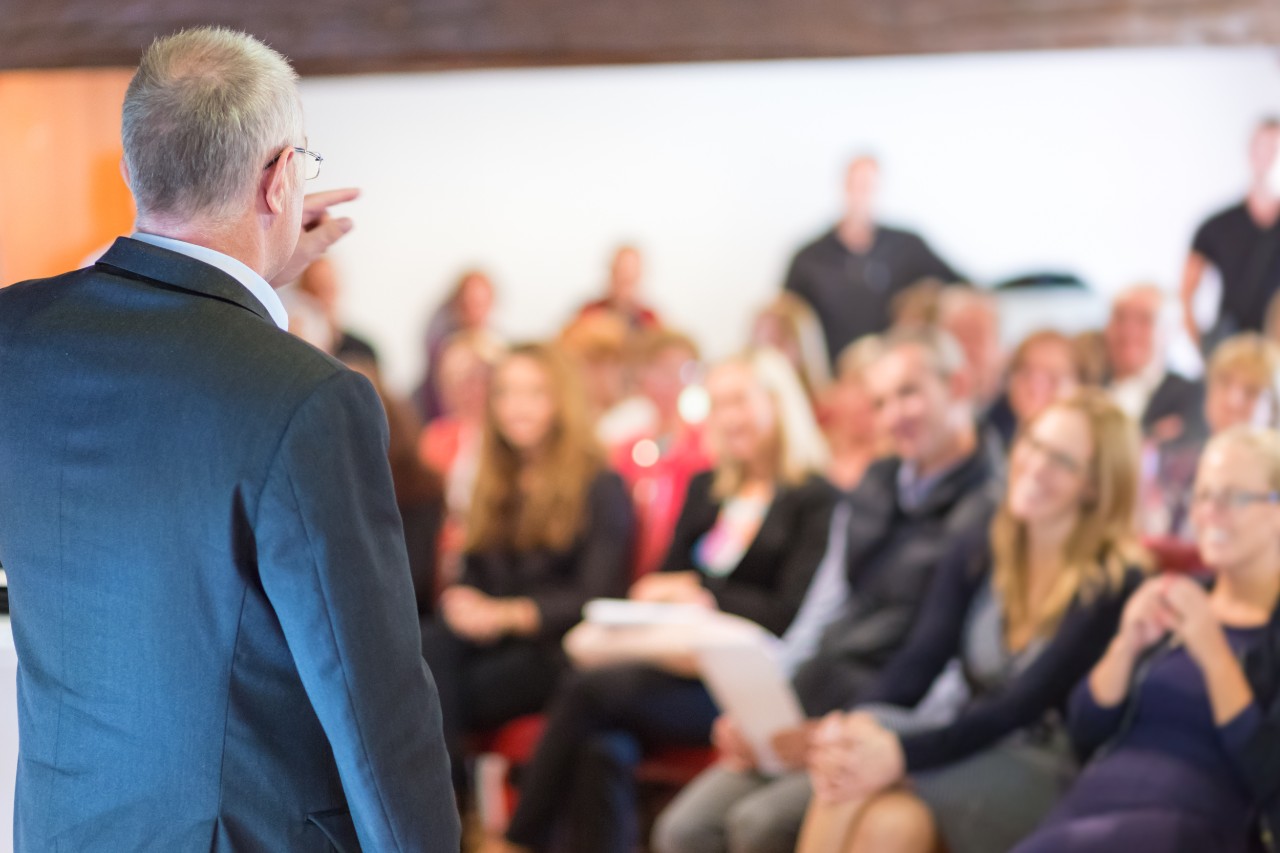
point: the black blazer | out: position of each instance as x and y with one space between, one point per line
769 583
597 565
215 624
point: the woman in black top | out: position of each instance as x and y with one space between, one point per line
550 528
748 542
1027 611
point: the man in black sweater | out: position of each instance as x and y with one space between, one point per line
851 273
940 483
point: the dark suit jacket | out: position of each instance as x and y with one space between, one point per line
211 601
769 583
1177 397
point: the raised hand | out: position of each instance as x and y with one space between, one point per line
319 231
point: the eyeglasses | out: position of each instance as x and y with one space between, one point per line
313 161
1230 499
1060 459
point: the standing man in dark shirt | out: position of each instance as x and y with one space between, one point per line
1243 244
851 274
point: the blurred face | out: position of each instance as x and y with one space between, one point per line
976 330
464 382
624 276
914 405
1262 151
664 378
524 405
849 408
1233 399
475 301
1049 467
770 331
1045 373
742 419
1236 519
1131 336
862 182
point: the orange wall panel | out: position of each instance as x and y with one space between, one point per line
61 194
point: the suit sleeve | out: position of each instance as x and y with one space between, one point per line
332 561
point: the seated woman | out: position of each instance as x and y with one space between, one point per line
748 541
1182 711
550 529
1026 610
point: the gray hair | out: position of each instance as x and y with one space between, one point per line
945 355
206 110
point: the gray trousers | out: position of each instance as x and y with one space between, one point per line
722 811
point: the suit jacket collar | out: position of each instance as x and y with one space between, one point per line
142 260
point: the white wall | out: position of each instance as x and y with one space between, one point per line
1100 162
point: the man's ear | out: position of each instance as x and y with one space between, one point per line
273 188
124 172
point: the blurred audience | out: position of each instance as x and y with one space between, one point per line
450 444
550 528
1242 243
1027 608
623 296
1164 404
849 417
468 309
748 541
851 274
1240 390
320 282
789 325
1181 713
658 462
600 344
909 508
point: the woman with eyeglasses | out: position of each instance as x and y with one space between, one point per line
1026 608
1181 711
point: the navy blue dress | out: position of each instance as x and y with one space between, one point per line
1169 784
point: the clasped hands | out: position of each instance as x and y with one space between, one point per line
482 618
850 756
1177 606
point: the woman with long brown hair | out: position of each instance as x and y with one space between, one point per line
1026 609
550 528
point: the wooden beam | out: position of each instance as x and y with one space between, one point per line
341 36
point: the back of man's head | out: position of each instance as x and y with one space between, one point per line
205 112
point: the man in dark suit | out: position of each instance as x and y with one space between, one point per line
1164 404
216 634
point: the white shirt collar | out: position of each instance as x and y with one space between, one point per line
1133 393
254 283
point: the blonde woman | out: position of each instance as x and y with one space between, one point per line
549 529
1182 709
1026 608
748 541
